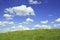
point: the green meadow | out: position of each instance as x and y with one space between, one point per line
41 34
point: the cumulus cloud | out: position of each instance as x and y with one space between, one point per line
28 20
22 10
58 20
8 16
44 22
15 28
52 22
41 27
4 23
56 25
34 2
23 27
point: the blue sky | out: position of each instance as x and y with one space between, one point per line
29 14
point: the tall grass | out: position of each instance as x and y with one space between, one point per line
42 34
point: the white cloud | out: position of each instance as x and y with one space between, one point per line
56 25
4 23
22 10
41 27
28 20
52 22
17 28
23 27
44 22
34 2
58 20
11 22
8 16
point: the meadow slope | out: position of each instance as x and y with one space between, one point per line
42 34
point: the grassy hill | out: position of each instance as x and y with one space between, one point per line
42 34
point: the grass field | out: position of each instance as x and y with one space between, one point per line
42 34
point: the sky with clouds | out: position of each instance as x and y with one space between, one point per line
29 14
